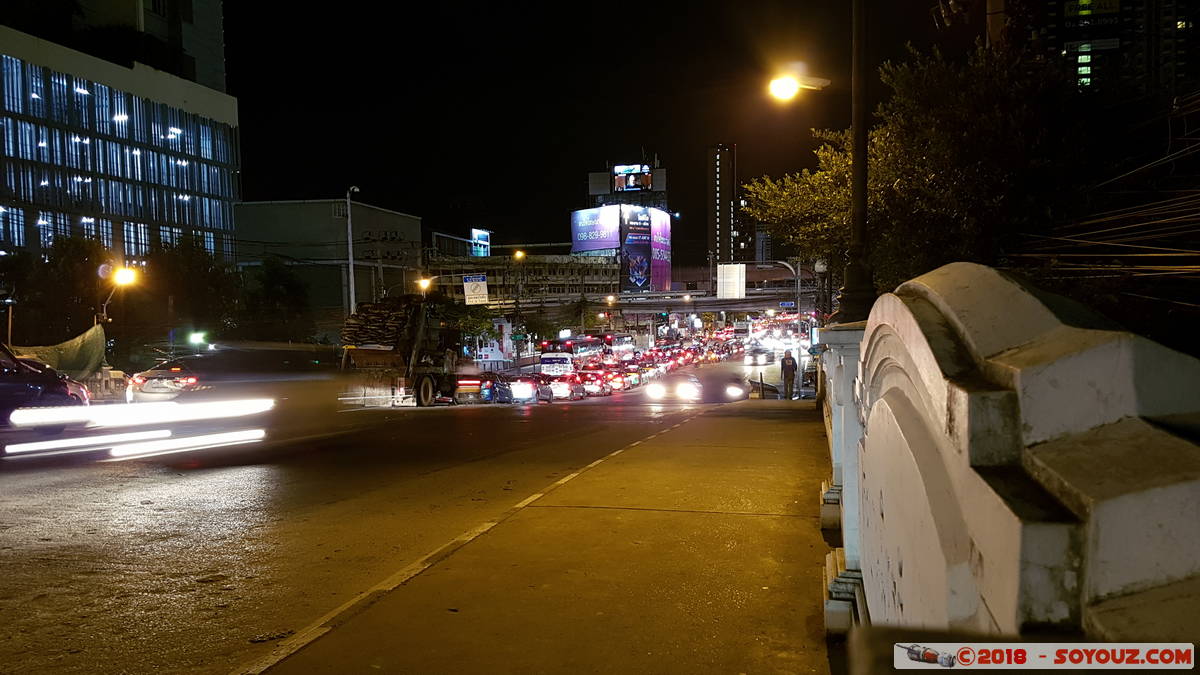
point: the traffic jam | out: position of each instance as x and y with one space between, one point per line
603 364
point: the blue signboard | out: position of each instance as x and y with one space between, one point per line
787 304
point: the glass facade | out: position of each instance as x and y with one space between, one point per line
80 158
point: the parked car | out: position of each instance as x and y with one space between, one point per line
22 386
75 389
568 386
531 389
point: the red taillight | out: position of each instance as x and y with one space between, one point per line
186 380
469 382
487 384
138 379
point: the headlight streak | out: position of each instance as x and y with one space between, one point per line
188 444
86 443
734 392
656 391
688 391
138 414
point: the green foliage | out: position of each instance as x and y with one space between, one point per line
474 321
58 296
275 305
965 157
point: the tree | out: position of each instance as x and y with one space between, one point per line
58 293
275 305
965 158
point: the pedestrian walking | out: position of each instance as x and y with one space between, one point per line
787 368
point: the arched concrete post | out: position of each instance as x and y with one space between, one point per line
1008 475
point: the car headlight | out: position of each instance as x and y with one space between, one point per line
656 391
734 392
762 358
687 390
749 360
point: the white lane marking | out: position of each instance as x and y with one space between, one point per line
328 621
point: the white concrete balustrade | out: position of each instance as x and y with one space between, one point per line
1004 461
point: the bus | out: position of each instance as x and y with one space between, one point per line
582 349
621 345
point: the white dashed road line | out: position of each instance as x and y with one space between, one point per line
342 612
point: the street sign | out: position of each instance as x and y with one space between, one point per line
475 289
519 336
787 304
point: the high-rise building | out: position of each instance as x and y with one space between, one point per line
127 154
726 241
1147 46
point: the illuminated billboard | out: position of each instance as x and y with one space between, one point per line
481 243
639 236
595 229
631 177
660 250
635 248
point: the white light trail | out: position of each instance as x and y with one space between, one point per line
91 442
174 445
138 414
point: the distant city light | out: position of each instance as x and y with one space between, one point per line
120 118
81 90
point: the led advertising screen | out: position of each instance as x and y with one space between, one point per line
660 250
481 242
635 248
627 177
595 229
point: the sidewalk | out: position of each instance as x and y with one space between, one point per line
697 550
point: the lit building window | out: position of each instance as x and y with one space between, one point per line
1086 58
1085 81
1085 47
1085 70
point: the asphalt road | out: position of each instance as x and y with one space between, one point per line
193 564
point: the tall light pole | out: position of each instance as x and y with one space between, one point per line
350 250
858 291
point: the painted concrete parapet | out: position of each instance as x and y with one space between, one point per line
1015 466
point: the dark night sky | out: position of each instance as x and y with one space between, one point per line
492 116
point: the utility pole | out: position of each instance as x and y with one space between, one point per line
350 251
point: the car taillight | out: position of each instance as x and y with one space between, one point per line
487 384
186 380
469 382
138 379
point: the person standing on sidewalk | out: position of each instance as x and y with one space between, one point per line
787 368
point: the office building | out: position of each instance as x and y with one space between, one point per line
1145 47
532 281
129 155
310 236
726 241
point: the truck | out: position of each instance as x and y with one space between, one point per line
401 351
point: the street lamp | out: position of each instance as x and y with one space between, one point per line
123 276
858 292
350 249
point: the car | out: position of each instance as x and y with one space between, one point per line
568 386
486 387
633 376
688 387
758 355
22 386
235 370
595 384
75 389
531 389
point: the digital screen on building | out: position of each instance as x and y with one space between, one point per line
595 229
481 243
660 250
635 248
631 177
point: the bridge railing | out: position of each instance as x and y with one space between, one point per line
1004 462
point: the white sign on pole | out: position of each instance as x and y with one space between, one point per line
475 289
731 281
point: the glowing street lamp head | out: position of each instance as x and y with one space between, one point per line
519 255
784 87
423 284
611 299
124 276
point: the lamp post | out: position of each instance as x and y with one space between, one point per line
858 291
121 277
350 249
518 257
